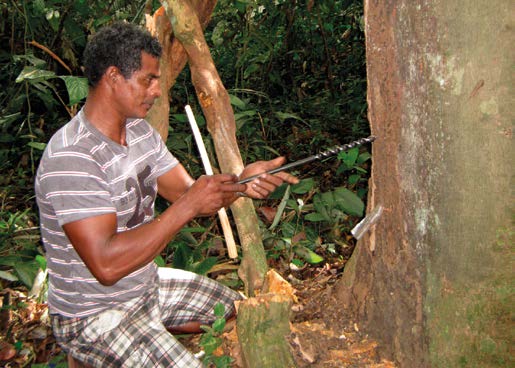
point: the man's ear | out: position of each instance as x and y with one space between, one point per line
112 74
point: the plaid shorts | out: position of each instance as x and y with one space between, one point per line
134 334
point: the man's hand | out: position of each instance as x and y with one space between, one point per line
210 193
265 184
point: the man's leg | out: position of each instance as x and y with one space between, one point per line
188 300
123 338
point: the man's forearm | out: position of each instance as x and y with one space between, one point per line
128 251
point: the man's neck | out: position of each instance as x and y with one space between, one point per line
105 118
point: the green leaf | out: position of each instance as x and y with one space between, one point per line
31 73
219 325
210 343
285 115
159 261
349 157
6 138
250 70
314 217
45 95
353 179
280 208
8 119
203 267
37 62
236 101
244 114
41 261
297 262
348 201
307 254
37 145
207 329
219 310
320 203
197 229
363 157
288 230
27 272
181 256
303 186
10 260
181 118
77 88
241 5
223 361
6 275
39 6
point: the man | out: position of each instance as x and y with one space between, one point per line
96 186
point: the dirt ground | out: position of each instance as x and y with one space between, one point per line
324 338
319 335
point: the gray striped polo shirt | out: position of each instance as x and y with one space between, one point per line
83 173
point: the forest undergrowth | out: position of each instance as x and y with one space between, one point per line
295 73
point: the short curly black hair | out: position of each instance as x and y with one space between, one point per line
120 45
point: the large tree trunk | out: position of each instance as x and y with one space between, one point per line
432 280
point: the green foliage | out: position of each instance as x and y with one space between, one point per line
296 76
288 60
40 52
56 362
20 255
211 340
186 253
297 83
354 168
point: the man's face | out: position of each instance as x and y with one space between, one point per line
136 95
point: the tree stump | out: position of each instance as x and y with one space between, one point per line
263 326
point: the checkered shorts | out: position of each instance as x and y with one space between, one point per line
134 334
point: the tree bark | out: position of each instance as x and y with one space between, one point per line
431 280
217 109
173 59
263 325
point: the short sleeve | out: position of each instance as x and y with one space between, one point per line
75 186
165 161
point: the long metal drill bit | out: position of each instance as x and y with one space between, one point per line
318 156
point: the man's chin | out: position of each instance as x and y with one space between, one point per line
142 114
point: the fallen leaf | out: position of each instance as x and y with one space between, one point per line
306 353
363 347
7 351
268 213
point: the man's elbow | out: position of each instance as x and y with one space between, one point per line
106 277
107 281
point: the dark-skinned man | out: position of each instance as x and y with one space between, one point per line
96 185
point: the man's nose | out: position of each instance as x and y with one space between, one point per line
156 89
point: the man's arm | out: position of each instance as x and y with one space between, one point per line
112 255
174 183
